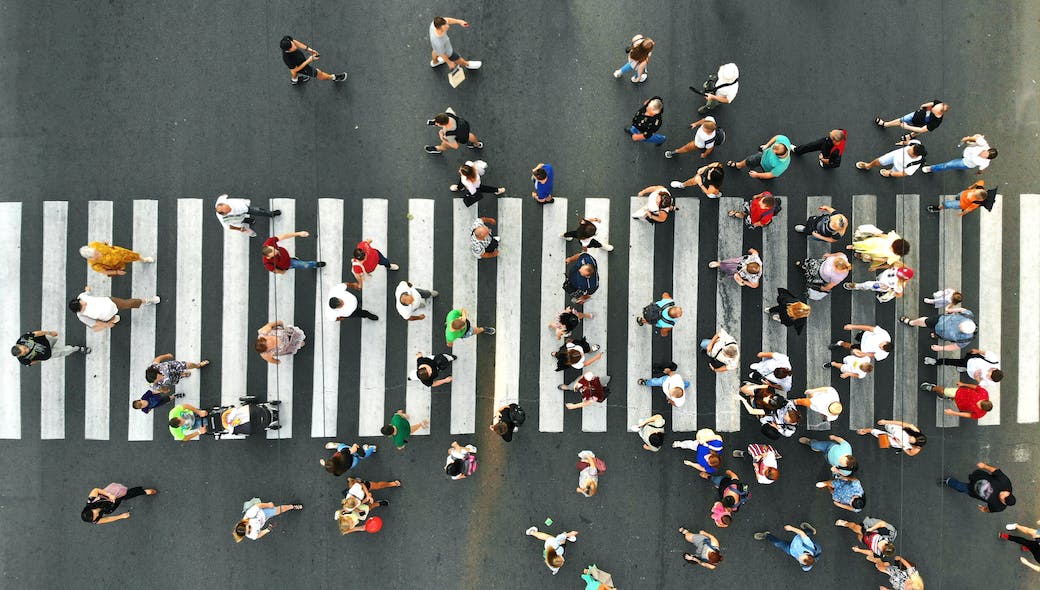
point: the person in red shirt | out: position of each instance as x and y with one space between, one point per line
972 401
366 259
278 260
759 211
590 387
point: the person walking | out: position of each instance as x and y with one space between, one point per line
428 370
542 176
706 552
662 315
852 366
830 146
764 395
102 502
972 401
471 183
746 270
880 249
552 552
708 178
773 158
257 514
275 339
639 51
672 384
704 138
790 310
585 233
782 420
343 304
987 484
583 278
869 342
410 299
829 226
457 326
567 321
452 130
904 161
838 452
968 200
722 350
708 448
945 299
461 462
365 260
764 459
759 211
592 389
165 372
889 283
102 313
345 457
651 430
508 419
152 400
589 468
773 368
185 422
572 354
110 260
37 346
399 429
901 436
824 273
647 121
926 118
802 547
482 243
902 574
822 400
1030 544
277 259
239 215
442 51
719 88
981 366
977 154
877 536
301 65
956 327
846 492
659 204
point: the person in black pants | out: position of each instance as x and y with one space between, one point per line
830 147
452 130
299 63
470 184
508 420
428 370
102 502
1030 545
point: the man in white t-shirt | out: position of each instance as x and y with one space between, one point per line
703 139
721 88
237 214
774 367
411 299
672 384
872 341
977 155
982 366
904 161
822 400
102 313
343 303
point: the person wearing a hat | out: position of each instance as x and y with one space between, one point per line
956 327
888 285
987 483
969 200
721 88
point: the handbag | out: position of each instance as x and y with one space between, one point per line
456 76
116 489
883 441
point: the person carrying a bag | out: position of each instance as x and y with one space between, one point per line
661 314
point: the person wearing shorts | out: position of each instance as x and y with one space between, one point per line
457 326
443 52
903 161
452 131
704 138
773 158
300 64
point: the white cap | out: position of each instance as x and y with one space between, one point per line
589 376
728 73
968 326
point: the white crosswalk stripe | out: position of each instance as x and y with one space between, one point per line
721 413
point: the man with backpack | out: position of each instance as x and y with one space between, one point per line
661 314
507 420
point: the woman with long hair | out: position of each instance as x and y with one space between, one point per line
901 436
638 58
789 310
255 516
275 339
104 501
470 183
553 550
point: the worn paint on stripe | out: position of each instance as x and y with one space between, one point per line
554 251
53 314
142 320
325 384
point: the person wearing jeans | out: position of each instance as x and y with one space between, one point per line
366 259
802 548
647 121
978 154
278 260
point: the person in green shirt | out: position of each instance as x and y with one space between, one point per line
458 326
185 423
773 158
400 428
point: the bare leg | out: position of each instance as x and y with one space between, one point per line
379 485
686 148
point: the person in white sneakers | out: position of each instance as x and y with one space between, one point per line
983 367
651 430
672 385
822 400
443 52
471 183
703 139
301 68
872 341
410 299
238 215
586 234
852 366
110 260
365 260
904 161
774 367
708 178
658 204
978 154
102 313
639 52
553 551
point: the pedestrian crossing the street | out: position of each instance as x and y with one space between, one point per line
332 388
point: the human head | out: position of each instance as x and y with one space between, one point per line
941 108
901 247
176 422
500 428
807 560
336 464
151 374
956 297
798 310
388 430
468 171
269 251
573 356
458 324
453 469
715 174
780 149
286 43
406 298
139 404
260 345
641 50
553 559
887 548
442 119
768 200
664 199
920 440
75 306
985 405
967 327
223 208
480 232
335 302
654 106
656 439
725 520
714 557
587 270
731 350
886 346
440 22
87 252
19 350
837 135
839 223
359 253
754 268
918 150
990 154
772 473
782 372
710 124
858 502
540 174
674 312
849 462
867 368
90 514
793 416
590 489
241 527
995 375
424 372
714 460
728 73
842 263
835 408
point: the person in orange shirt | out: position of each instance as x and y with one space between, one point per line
969 200
110 260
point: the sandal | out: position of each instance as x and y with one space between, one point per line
905 320
732 213
297 506
862 165
879 121
731 164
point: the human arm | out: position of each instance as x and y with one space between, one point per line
837 439
598 356
987 468
760 175
860 327
646 191
161 358
267 356
797 531
291 235
441 381
114 518
750 409
571 259
718 97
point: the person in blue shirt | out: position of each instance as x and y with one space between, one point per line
802 548
664 317
543 175
583 277
956 328
773 157
151 400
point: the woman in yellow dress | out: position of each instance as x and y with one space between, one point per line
110 260
881 250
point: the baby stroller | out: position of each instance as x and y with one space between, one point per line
236 422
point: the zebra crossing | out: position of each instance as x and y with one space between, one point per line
712 404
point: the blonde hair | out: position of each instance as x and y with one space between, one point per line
553 559
842 263
239 531
798 310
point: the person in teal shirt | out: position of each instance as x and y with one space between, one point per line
186 422
773 158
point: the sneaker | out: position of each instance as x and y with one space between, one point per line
498 238
926 169
148 259
944 481
178 395
812 529
800 228
608 247
436 62
476 146
669 154
835 346
926 386
84 349
300 79
566 237
562 387
434 293
676 184
703 110
821 484
572 539
804 440
320 264
637 80
394 266
474 65
617 74
641 381
431 122
1011 526
594 348
384 502
252 233
933 209
339 77
489 331
431 149
761 535
640 321
153 300
929 360
820 163
827 365
849 286
737 454
531 531
276 213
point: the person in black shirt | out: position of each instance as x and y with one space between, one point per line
299 63
926 118
452 131
647 121
831 148
428 370
508 420
987 483
39 346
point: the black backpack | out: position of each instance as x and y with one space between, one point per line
653 313
517 415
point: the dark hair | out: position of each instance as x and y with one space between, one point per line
335 302
540 174
772 473
919 149
1010 500
868 368
793 416
992 153
88 514
809 559
782 372
901 246
656 439
75 305
713 459
665 200
286 43
851 464
768 201
441 119
151 373
337 465
858 502
996 375
454 468
573 355
467 171
920 440
887 346
956 297
641 51
986 405
16 351
714 557
387 430
260 345
715 174
359 253
424 371
176 422
726 519
729 501
501 428
439 21
888 549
